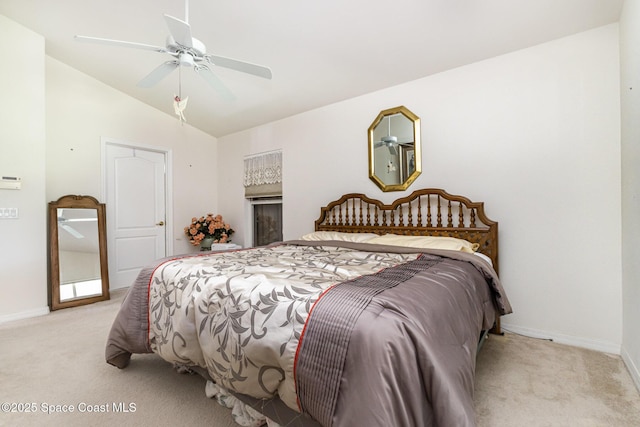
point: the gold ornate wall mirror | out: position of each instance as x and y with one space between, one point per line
78 272
394 149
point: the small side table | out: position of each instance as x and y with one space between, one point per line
218 247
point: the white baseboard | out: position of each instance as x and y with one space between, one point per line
602 346
631 367
24 315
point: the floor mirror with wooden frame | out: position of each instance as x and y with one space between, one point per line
78 269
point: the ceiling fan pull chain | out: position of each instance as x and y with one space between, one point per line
180 104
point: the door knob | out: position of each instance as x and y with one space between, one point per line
160 223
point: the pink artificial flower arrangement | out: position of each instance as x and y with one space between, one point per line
208 226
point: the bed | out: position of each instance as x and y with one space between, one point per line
373 319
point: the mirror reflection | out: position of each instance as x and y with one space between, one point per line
79 253
78 261
394 149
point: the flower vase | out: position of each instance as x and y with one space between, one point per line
205 244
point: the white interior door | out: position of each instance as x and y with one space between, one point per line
135 185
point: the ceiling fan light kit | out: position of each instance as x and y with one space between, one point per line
186 60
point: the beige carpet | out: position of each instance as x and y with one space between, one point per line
58 359
529 382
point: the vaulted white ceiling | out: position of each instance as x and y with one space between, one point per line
320 52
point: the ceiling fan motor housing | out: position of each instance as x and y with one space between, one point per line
197 48
389 139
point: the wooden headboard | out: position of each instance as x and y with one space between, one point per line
430 211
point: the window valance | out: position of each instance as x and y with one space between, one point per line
263 175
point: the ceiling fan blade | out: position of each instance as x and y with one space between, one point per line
245 67
214 81
180 31
162 71
72 231
120 43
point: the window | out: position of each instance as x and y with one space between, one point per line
267 220
263 190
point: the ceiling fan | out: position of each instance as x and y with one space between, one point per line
186 51
63 223
391 141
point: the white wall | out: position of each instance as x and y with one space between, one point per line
51 123
630 102
81 110
535 134
23 241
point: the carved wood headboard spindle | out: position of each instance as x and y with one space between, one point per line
347 215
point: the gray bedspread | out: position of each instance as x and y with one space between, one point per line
394 348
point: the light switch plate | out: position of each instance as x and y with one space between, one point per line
9 213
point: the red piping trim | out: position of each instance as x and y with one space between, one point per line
295 359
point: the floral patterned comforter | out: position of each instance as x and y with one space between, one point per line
244 316
240 314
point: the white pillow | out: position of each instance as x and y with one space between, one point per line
484 257
426 242
336 235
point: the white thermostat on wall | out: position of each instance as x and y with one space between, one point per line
10 183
